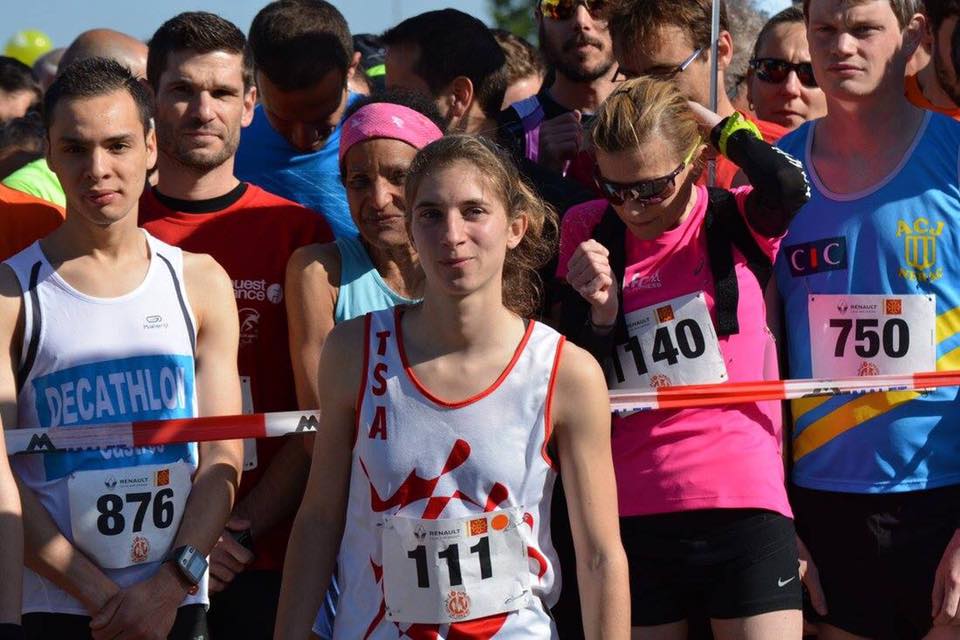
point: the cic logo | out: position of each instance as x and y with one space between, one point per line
828 254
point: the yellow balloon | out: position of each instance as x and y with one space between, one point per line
28 45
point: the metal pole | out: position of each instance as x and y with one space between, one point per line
714 67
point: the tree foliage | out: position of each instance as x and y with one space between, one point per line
515 16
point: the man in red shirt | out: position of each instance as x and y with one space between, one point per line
203 81
936 86
670 39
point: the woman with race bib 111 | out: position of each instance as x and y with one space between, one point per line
666 288
444 424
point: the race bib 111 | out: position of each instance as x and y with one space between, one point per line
452 570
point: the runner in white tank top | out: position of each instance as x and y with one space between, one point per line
100 323
437 450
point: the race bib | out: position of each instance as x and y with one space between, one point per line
671 343
250 460
128 516
443 571
870 335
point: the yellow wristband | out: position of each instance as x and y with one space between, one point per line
735 123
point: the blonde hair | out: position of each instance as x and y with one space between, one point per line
521 282
644 109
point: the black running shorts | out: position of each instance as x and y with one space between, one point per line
728 563
877 555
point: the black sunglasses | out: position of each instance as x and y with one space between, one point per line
564 9
669 74
643 193
775 71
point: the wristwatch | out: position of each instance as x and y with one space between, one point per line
189 562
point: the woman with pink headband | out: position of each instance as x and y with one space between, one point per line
330 283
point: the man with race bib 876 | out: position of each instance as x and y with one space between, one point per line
103 324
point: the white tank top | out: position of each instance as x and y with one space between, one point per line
87 360
418 459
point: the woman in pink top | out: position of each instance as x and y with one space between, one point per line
666 288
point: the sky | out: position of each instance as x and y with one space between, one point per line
64 19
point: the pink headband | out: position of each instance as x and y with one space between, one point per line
387 120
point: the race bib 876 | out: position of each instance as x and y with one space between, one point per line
128 516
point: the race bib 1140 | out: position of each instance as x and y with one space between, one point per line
670 343
452 570
869 335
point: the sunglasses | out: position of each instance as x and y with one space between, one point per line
775 71
668 74
644 192
564 9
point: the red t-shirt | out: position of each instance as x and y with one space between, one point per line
252 239
24 219
726 169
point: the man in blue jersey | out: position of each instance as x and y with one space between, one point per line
304 57
868 272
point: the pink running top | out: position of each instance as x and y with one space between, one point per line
717 457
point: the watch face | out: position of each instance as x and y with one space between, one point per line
192 564
197 566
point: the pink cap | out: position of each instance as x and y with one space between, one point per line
388 120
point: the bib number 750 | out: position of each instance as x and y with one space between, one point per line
894 336
867 335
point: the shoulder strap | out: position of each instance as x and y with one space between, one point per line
726 229
531 117
611 232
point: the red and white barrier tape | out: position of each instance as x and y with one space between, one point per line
156 432
269 425
705 395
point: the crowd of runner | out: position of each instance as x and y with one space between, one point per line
455 246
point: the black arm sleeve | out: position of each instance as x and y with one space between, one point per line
780 186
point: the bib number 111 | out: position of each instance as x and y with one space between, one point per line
452 557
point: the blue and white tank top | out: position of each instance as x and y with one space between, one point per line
88 360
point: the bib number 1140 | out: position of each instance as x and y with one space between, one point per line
689 342
452 557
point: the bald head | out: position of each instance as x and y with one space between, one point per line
106 43
45 68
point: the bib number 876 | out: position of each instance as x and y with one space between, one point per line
111 521
894 336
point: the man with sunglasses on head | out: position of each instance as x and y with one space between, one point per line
936 85
670 39
869 277
548 127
